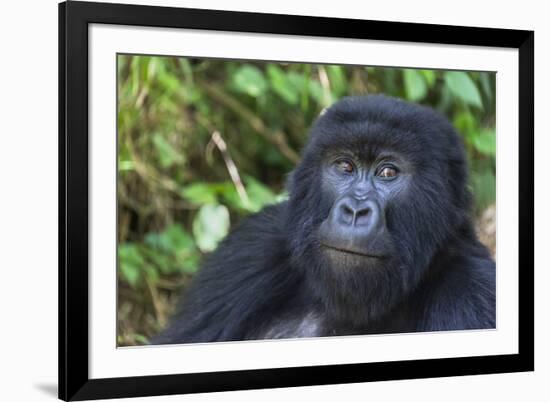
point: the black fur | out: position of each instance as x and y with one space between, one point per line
269 278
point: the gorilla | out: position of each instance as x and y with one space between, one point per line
376 237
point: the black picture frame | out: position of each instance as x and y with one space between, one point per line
74 18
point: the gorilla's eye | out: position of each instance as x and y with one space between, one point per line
344 166
387 172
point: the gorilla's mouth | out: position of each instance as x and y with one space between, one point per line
363 254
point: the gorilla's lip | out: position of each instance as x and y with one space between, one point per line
350 251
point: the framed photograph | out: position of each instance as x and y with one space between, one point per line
257 200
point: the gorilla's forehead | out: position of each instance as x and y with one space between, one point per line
370 125
368 141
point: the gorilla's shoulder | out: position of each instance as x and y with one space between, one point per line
464 297
269 220
264 229
255 244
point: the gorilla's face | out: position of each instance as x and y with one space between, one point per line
360 187
380 189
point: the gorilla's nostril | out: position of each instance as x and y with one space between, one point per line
362 216
345 214
348 210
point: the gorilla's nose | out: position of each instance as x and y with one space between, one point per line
355 225
359 213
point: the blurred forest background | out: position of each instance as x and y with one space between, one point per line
202 143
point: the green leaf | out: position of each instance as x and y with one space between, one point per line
485 142
167 154
233 200
152 273
250 80
125 165
462 86
141 339
258 194
178 239
316 92
189 262
134 75
415 86
200 193
466 124
154 240
337 79
162 261
484 189
487 81
429 76
168 82
131 263
282 86
210 226
172 250
297 80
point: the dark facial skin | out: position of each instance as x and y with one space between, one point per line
355 230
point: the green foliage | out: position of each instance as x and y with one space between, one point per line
202 193
259 195
170 251
210 226
177 190
166 153
484 187
462 87
249 80
282 85
415 83
485 142
131 263
338 81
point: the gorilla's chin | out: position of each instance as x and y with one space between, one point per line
356 289
340 258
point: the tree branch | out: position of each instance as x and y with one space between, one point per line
277 138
